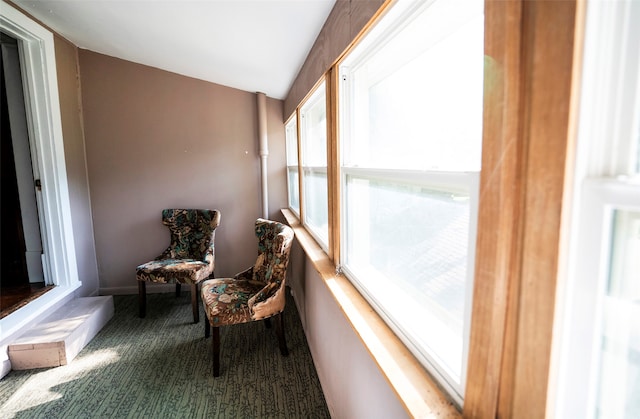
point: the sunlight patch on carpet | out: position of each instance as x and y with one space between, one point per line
47 385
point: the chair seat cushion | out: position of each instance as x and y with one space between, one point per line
225 300
183 271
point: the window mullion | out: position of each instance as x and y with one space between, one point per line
300 174
333 164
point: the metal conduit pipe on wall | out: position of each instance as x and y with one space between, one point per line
264 150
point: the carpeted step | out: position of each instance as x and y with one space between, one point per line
62 335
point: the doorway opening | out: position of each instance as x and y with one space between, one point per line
21 270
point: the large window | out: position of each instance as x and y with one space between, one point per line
313 140
600 350
408 148
411 136
405 126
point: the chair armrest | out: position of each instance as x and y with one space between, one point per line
265 293
268 301
247 274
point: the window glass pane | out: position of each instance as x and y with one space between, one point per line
409 114
619 383
313 132
411 146
315 207
412 240
294 195
291 135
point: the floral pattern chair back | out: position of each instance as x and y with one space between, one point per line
274 246
192 234
190 257
257 293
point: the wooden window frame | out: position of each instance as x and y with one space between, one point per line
531 85
528 140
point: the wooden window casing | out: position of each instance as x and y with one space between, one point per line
527 161
527 157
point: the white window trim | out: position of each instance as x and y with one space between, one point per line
589 274
609 121
37 55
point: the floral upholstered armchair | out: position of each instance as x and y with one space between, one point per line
189 259
257 293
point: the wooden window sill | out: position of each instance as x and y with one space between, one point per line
414 387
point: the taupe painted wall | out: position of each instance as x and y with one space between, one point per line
74 150
352 383
158 140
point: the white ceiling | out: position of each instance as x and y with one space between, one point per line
252 45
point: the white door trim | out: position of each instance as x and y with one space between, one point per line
40 81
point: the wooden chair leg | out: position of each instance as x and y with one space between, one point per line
177 289
142 299
194 303
215 349
280 333
207 327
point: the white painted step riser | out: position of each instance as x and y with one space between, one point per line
61 336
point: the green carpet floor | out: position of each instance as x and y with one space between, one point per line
160 367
